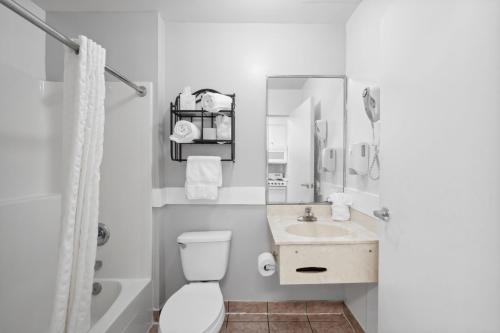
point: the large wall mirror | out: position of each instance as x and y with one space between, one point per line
306 123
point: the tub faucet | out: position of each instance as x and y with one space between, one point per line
308 216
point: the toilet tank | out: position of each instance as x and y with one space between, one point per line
204 254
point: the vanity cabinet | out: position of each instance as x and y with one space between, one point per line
329 263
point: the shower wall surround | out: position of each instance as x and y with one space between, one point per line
29 206
125 35
30 129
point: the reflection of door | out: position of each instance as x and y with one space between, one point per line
300 168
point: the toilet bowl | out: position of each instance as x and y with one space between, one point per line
198 307
195 308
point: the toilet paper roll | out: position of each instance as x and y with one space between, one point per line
266 264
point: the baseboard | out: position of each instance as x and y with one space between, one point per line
352 320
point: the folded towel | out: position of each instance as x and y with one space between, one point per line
185 132
340 206
340 198
203 177
187 100
213 102
223 124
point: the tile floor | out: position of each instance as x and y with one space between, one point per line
287 317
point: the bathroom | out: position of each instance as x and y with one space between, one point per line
401 139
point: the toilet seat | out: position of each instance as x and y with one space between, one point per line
195 308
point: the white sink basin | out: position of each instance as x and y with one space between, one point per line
314 229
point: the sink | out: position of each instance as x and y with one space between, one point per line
314 229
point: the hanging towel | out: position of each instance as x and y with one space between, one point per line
203 177
185 132
223 124
340 206
213 102
83 131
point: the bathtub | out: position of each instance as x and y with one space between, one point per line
122 306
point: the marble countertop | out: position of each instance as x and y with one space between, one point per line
280 218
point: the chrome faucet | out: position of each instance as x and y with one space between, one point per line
308 216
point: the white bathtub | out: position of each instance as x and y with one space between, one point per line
123 306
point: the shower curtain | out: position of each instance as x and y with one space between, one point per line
83 131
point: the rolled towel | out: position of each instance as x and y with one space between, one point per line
185 132
213 102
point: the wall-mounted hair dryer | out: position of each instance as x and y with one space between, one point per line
371 102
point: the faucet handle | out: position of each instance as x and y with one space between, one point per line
308 211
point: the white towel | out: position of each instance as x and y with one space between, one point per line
223 124
203 177
340 206
213 102
84 92
185 132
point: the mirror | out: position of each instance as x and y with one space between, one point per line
305 138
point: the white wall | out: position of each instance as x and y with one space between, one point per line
363 68
251 236
237 58
440 81
363 64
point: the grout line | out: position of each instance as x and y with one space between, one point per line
267 317
308 321
349 322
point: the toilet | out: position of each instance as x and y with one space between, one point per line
198 306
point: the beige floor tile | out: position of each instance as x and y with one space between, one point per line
289 327
247 327
324 307
331 327
326 317
247 307
286 307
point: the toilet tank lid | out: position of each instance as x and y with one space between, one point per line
204 236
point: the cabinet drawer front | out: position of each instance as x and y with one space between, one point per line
316 264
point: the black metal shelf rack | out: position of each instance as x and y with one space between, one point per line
207 120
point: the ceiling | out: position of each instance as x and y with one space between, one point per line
221 11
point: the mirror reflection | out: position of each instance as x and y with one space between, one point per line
305 138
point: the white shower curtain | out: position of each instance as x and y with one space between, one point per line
83 114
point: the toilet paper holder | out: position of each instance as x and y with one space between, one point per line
269 267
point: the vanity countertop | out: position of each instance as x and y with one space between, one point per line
349 232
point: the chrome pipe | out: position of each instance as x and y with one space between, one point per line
35 20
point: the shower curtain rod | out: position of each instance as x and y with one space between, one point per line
32 18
